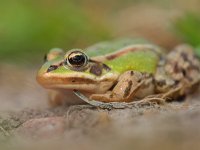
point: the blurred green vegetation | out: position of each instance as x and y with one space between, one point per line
188 28
28 29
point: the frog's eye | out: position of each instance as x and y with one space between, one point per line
76 60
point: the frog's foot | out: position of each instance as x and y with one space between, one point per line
152 101
131 85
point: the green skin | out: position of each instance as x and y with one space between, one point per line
140 61
144 61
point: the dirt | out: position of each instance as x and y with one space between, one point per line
25 112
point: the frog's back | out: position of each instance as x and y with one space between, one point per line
127 54
104 48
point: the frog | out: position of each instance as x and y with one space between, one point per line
120 73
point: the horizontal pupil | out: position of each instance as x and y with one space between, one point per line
77 60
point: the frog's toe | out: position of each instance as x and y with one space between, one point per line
107 97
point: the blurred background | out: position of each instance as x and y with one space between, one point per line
28 29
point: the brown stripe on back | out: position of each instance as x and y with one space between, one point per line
122 52
128 49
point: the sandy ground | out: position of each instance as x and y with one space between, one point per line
25 121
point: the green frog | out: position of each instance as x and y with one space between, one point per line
120 73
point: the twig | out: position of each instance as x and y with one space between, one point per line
4 131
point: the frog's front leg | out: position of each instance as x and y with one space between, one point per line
131 85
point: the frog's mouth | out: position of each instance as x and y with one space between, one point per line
82 82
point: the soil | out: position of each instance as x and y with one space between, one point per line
27 122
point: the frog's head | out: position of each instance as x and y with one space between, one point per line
75 71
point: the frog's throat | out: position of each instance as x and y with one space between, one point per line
87 83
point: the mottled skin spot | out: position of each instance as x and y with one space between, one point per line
128 89
52 67
132 73
161 83
106 67
96 69
180 73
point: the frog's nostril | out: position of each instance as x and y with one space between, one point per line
51 68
